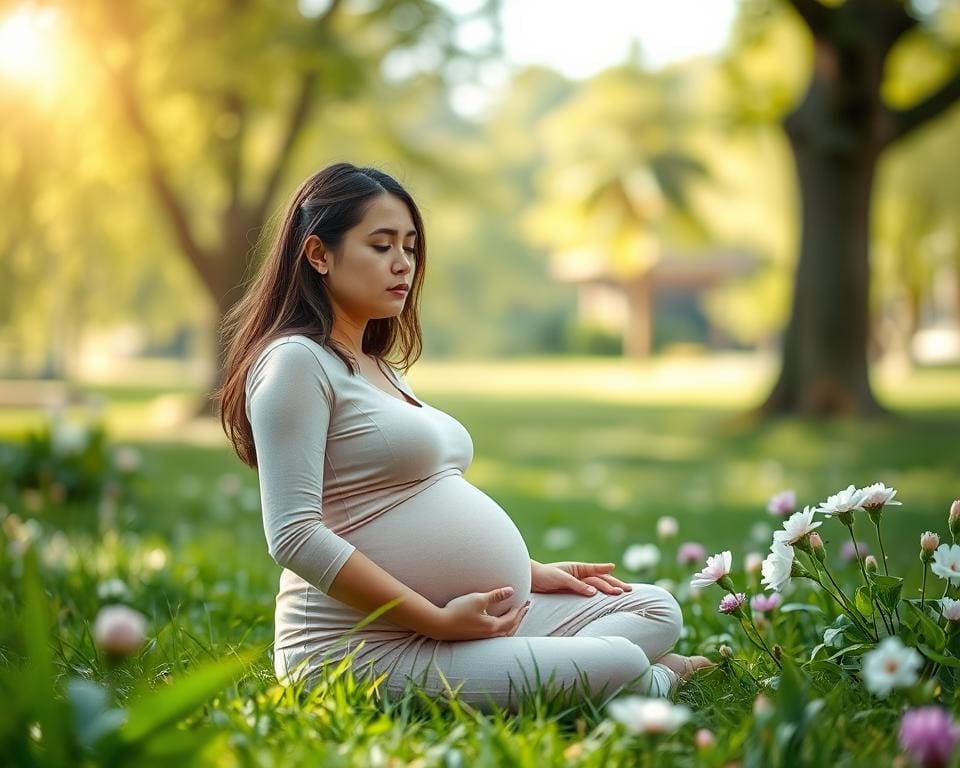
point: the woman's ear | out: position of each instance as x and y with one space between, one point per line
316 254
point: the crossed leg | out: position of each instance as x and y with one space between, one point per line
601 644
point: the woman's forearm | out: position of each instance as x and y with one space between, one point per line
364 585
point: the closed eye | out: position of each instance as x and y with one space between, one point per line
385 248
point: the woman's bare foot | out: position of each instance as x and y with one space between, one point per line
684 666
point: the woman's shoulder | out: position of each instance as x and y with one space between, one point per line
295 353
293 344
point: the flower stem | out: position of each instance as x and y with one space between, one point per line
886 570
856 550
923 586
762 645
851 608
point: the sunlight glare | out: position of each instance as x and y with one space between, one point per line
29 52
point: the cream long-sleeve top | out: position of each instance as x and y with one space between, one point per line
335 451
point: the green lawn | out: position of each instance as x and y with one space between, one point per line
600 448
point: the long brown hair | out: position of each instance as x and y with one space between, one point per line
287 296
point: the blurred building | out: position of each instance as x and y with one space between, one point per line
663 301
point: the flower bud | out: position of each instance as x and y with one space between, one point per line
752 562
955 519
727 583
119 630
870 564
929 542
846 517
704 738
816 544
762 705
667 527
726 651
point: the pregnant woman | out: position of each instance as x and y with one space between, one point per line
363 491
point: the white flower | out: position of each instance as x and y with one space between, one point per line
951 608
717 567
877 495
946 562
127 459
559 538
798 525
846 500
645 715
640 556
890 665
69 438
667 527
777 567
119 630
155 559
112 589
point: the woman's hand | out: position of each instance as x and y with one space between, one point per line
579 578
466 617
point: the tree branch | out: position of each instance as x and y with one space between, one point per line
120 76
906 120
163 188
815 14
296 118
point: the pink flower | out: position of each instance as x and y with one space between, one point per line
732 603
716 570
846 551
783 504
704 738
119 630
763 603
690 552
929 735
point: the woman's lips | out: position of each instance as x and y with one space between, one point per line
398 291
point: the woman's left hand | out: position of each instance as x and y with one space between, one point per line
579 578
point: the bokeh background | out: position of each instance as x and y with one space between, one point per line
682 255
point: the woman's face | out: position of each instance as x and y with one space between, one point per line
376 254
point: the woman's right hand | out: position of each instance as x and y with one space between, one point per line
464 617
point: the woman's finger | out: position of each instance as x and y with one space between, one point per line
513 622
613 580
603 585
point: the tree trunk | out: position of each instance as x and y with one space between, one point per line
837 134
824 367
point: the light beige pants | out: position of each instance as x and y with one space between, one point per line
601 646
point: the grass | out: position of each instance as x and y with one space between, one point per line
598 448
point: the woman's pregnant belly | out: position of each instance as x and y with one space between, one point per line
448 540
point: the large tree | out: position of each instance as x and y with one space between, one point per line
218 100
837 133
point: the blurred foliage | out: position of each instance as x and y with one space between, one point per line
610 169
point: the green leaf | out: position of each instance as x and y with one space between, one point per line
805 607
855 649
863 602
822 665
791 694
833 635
930 630
38 678
886 589
92 716
947 661
165 706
